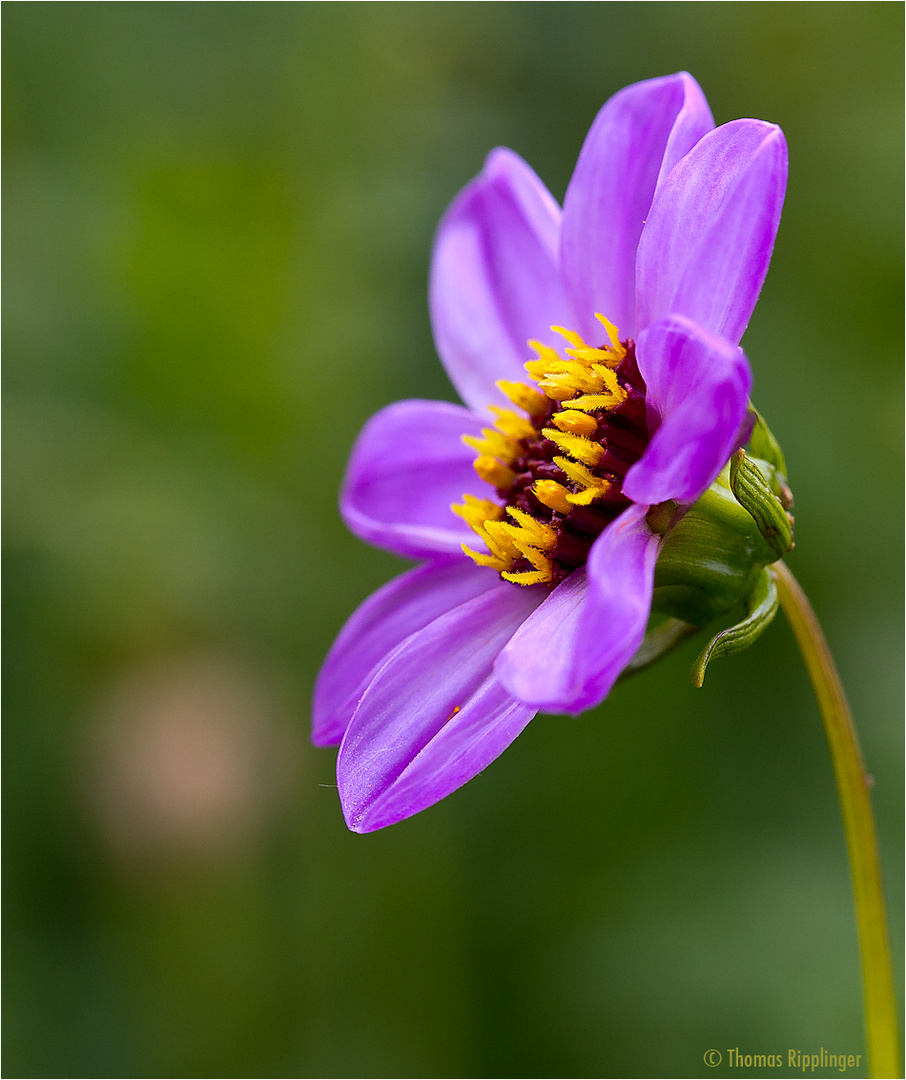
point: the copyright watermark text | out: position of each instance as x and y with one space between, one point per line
792 1059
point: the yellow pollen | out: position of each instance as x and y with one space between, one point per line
579 423
494 472
553 495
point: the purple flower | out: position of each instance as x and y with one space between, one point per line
665 235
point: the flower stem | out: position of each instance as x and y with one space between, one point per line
858 821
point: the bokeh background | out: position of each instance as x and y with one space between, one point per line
218 227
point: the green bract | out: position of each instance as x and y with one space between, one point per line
718 556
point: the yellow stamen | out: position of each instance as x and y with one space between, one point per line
510 423
529 577
557 389
585 370
485 518
612 333
581 376
593 487
585 497
546 365
483 559
582 449
552 494
494 472
579 423
541 575
588 355
494 444
498 536
609 380
475 512
539 368
529 532
571 377
597 402
571 336
524 397
545 352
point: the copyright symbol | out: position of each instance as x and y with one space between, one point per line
712 1058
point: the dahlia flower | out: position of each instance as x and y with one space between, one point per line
596 350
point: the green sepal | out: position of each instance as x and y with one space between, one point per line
658 641
753 492
761 606
764 445
765 448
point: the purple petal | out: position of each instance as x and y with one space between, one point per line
434 715
568 654
707 243
698 388
495 280
634 142
408 466
373 631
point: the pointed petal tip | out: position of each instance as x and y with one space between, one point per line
357 820
371 818
502 161
753 137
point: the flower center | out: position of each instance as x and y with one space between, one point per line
558 469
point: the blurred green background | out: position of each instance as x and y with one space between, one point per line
218 227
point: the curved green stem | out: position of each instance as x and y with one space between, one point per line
855 804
